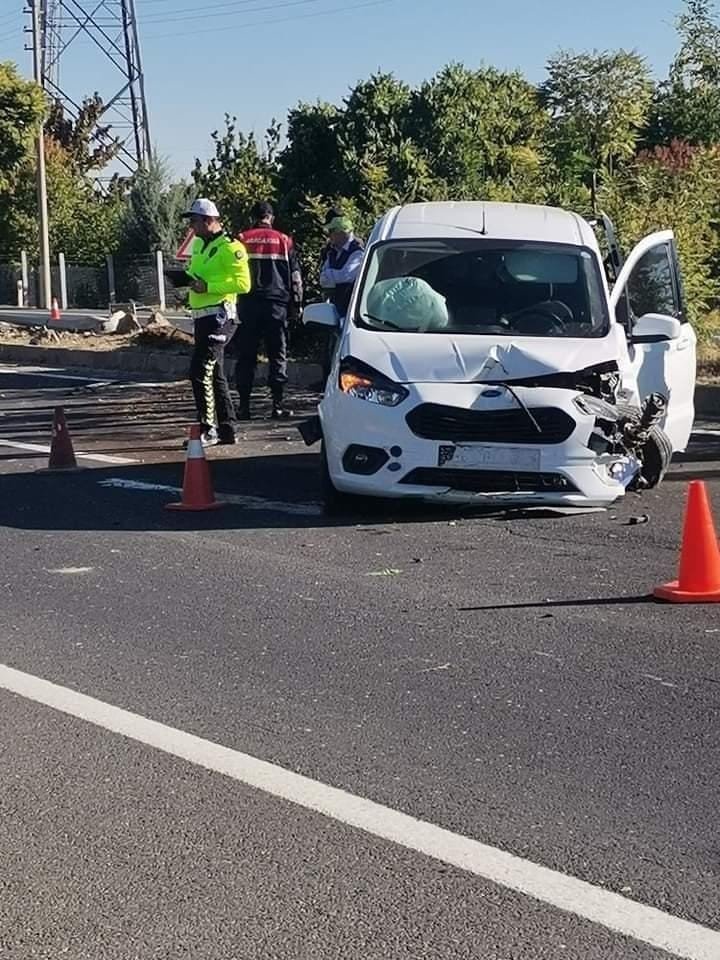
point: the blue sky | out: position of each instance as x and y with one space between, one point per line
256 58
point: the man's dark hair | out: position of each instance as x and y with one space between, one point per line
261 210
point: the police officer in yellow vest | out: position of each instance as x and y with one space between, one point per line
218 271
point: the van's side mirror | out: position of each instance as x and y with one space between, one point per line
655 327
321 315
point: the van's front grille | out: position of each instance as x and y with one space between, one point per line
489 481
434 421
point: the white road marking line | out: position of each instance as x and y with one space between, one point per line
71 570
55 373
611 910
43 448
250 503
129 384
51 373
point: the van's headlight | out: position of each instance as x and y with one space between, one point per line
361 381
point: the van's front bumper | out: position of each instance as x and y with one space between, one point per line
533 447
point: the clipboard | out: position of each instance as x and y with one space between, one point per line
178 278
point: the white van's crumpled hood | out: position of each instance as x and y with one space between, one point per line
443 358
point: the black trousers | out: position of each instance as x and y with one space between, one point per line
261 321
207 375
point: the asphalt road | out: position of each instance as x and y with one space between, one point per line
503 678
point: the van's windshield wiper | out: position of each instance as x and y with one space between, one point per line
384 323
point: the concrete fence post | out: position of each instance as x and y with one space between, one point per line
63 281
25 279
160 280
111 278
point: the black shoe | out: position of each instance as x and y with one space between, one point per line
227 437
280 412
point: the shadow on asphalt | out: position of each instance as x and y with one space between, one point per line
703 448
270 491
549 604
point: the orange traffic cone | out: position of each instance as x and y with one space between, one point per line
197 484
699 577
54 310
62 455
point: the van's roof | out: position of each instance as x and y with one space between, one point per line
503 221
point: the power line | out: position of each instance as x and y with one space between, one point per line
275 22
162 18
146 3
11 35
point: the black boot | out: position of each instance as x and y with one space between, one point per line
243 410
279 410
226 434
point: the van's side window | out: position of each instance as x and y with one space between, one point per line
652 286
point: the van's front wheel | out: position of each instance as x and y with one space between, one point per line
656 456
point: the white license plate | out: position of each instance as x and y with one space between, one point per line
476 455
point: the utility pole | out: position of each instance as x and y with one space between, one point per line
45 278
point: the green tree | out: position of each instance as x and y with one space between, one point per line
310 163
482 132
22 108
152 217
382 163
88 144
687 105
598 104
239 173
84 223
676 187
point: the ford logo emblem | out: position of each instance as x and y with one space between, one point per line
491 393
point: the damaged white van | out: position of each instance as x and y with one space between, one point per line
484 358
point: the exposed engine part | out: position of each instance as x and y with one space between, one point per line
636 431
600 381
625 430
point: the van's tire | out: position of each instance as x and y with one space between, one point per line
656 453
335 502
656 456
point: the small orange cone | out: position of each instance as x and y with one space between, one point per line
54 310
62 455
197 484
699 577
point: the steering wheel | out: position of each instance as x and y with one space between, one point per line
554 315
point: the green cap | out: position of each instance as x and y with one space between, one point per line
343 224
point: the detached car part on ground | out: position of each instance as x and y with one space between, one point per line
485 359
